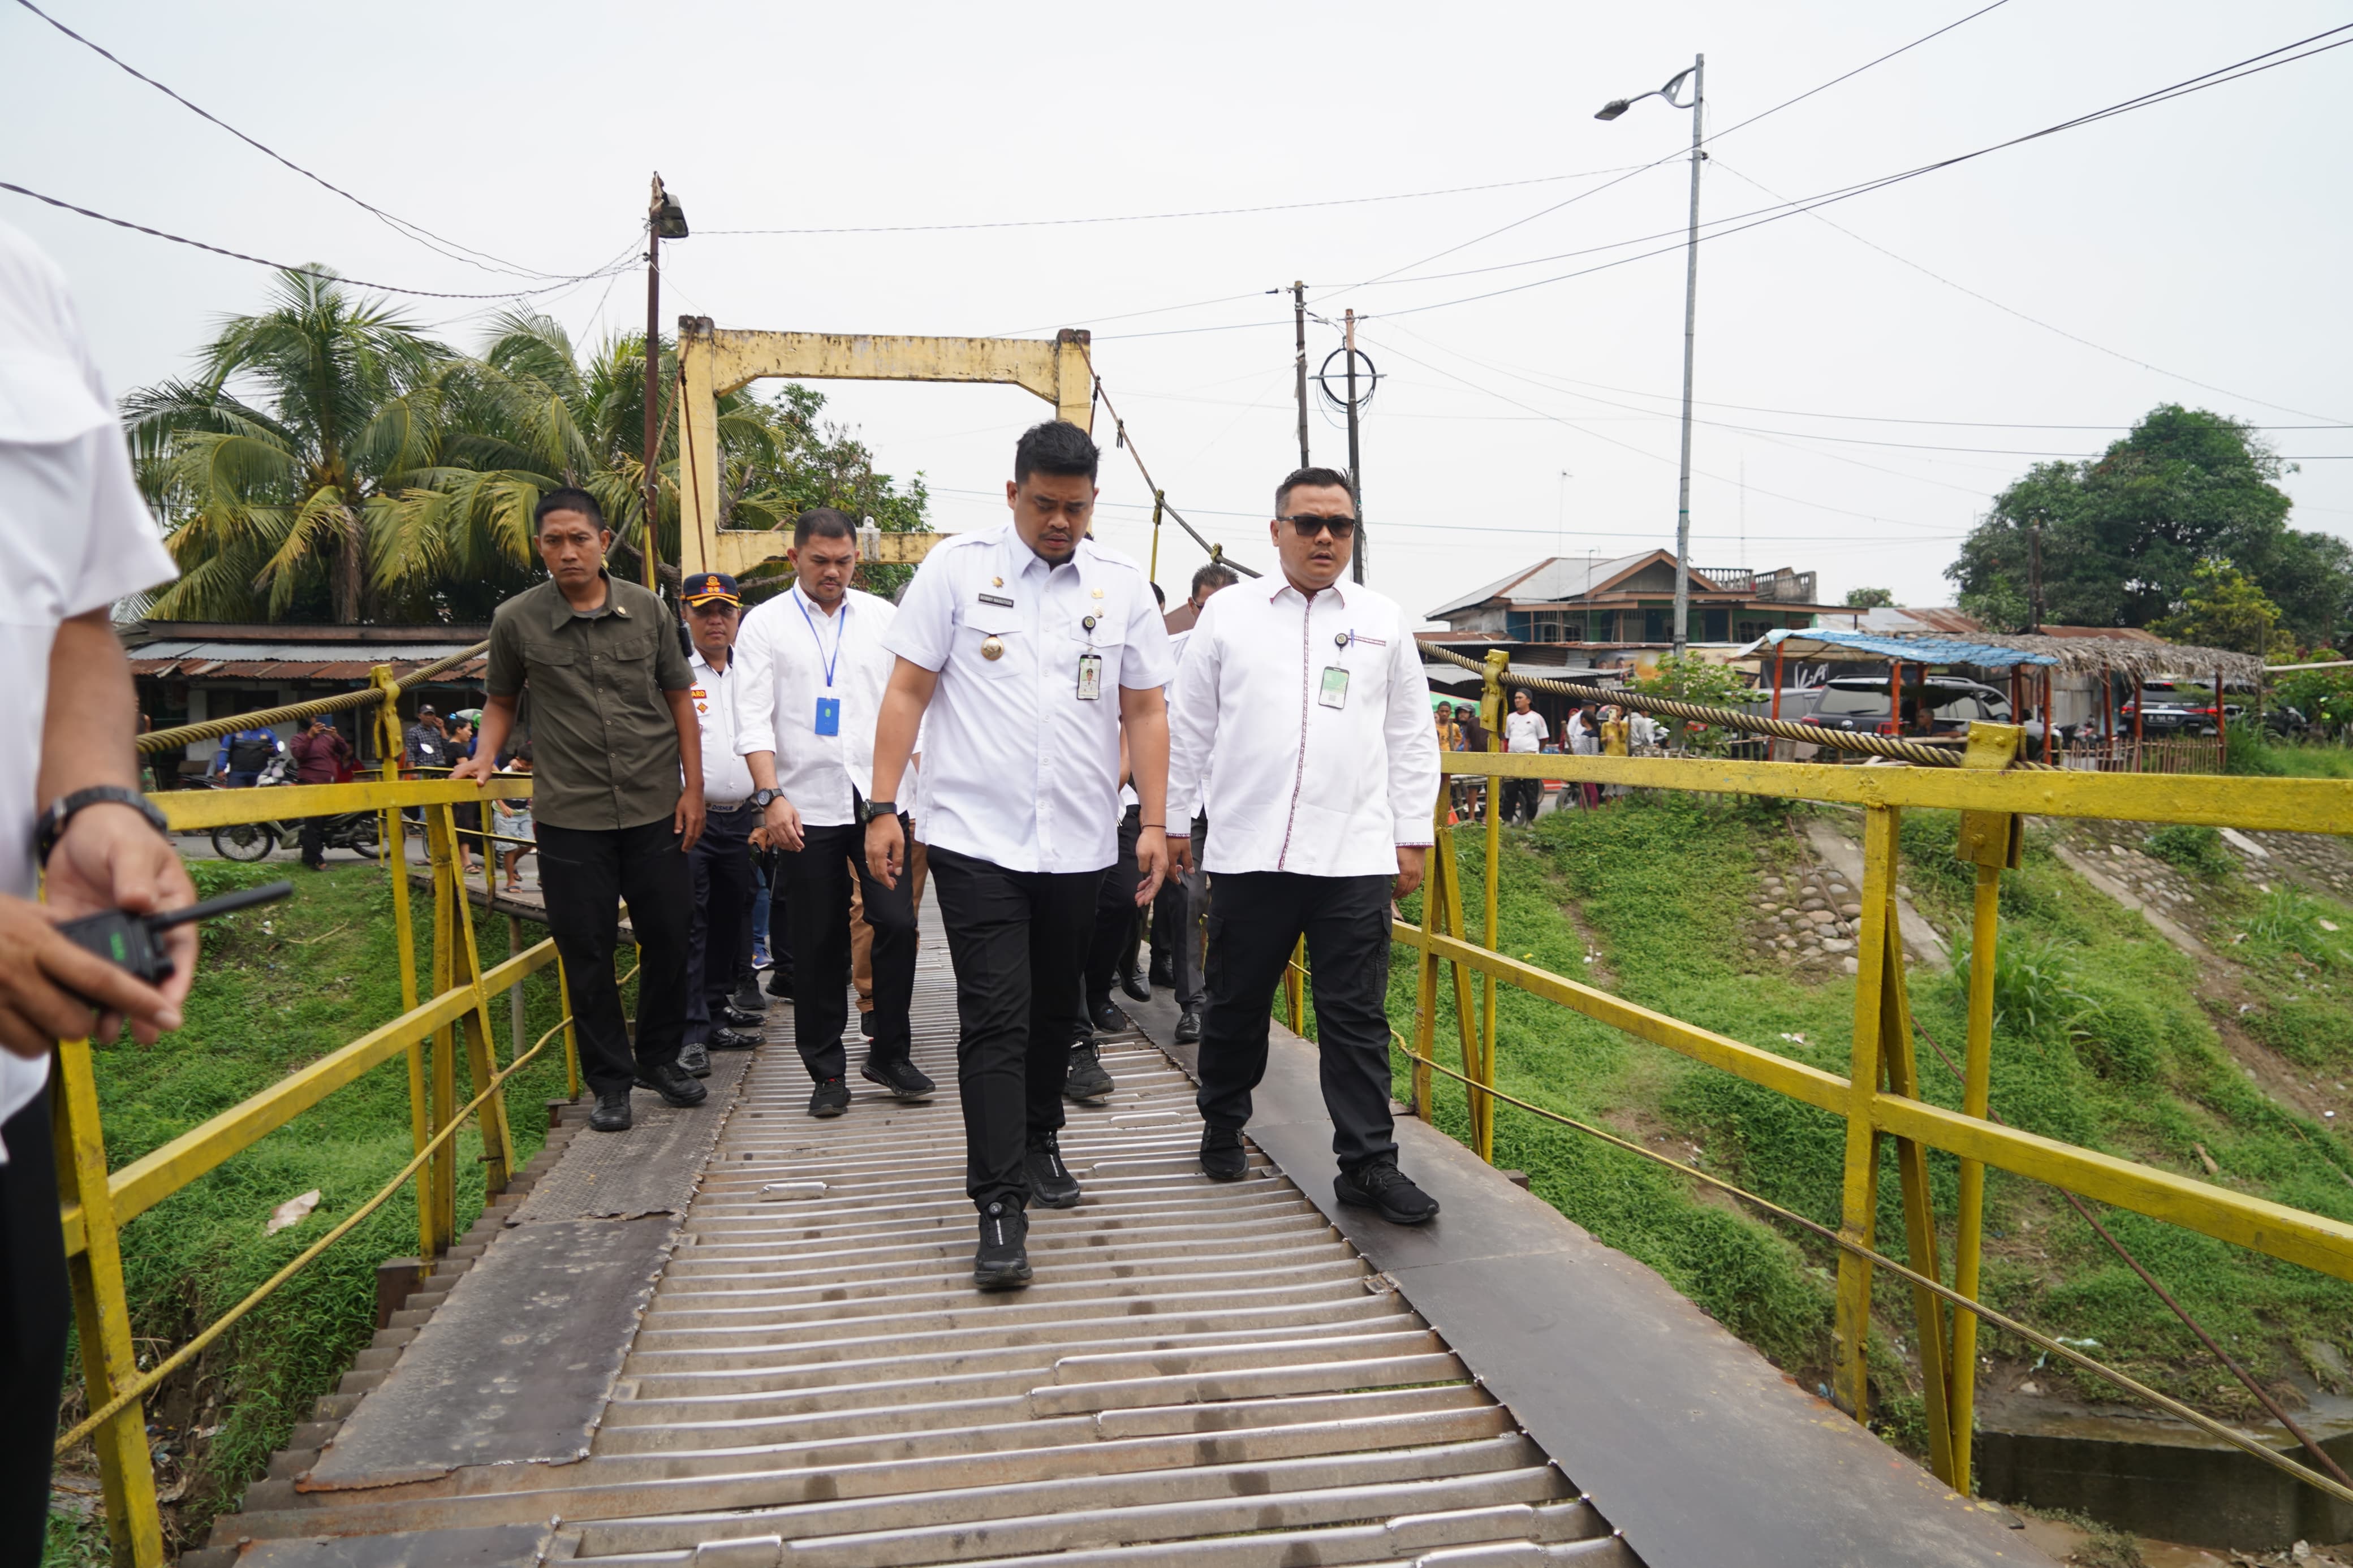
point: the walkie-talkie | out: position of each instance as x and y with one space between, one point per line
132 941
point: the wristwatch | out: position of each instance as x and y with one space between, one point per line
61 811
762 797
874 808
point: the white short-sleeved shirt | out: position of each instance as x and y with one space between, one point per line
1526 732
1019 769
75 536
726 781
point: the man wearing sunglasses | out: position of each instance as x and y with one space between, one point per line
1300 715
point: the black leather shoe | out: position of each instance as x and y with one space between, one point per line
1002 1262
1383 1187
1050 1182
1164 975
1136 986
1189 1029
675 1087
902 1079
831 1097
694 1061
748 998
866 1025
1109 1018
1222 1157
612 1112
733 1040
736 1018
780 982
1087 1081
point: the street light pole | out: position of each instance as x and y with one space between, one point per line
664 220
1611 111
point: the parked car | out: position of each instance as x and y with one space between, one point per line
1860 703
2169 717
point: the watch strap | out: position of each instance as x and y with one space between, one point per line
62 810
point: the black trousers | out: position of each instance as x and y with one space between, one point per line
1177 915
35 1308
720 868
813 887
1521 797
314 840
1018 940
1257 918
1113 945
583 874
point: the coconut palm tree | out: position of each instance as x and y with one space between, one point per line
267 463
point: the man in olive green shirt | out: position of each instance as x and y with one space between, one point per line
616 765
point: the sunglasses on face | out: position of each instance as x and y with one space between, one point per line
1309 524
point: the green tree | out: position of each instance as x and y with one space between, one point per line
2325 696
1868 598
1998 607
2122 534
2223 607
1693 679
270 464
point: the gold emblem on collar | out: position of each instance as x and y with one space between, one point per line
992 647
1098 592
997 581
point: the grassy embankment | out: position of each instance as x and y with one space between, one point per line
279 987
2120 1055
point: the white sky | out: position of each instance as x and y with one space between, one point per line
2206 237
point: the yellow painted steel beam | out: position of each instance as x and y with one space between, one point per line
147 1181
192 810
2289 805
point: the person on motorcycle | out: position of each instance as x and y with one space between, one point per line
321 754
243 755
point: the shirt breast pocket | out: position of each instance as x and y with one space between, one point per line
995 644
628 665
1105 640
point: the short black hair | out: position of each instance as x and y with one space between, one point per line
1299 477
567 497
1216 574
1159 597
823 522
1056 446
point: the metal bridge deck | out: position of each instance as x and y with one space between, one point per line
797 1369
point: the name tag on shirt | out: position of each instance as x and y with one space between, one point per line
997 599
1090 676
829 715
1336 687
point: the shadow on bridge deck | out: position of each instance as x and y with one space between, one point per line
738 1336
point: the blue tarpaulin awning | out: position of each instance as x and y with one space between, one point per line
1876 647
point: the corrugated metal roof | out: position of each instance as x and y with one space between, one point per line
1859 646
359 650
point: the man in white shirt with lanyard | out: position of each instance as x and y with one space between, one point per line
814 668
1301 716
721 860
1023 652
1526 732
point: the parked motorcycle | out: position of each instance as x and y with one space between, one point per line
358 831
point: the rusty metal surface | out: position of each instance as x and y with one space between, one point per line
651 1169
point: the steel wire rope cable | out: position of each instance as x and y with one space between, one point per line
2166 1401
401 226
213 729
1216 551
1730 717
147 1381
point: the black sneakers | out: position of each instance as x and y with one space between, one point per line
1188 1028
831 1099
1109 1018
1002 1262
675 1087
780 984
694 1060
1222 1158
612 1112
1087 1081
733 1040
1050 1182
1383 1187
746 997
901 1078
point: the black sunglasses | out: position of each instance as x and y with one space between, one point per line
1309 524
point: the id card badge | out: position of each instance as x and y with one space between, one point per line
829 715
1090 676
1336 687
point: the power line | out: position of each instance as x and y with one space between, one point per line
1159 217
289 267
401 226
1858 70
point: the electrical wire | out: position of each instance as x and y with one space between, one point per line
288 265
417 232
1719 136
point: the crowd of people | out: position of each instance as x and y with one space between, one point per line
1590 731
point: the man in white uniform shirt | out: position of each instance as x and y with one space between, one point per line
1526 732
1023 652
74 537
1299 716
1184 897
721 860
814 670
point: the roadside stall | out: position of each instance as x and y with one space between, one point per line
1921 696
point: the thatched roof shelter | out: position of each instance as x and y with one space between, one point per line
2136 655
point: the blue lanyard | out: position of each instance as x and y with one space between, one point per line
840 626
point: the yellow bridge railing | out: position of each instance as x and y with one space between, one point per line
97 1201
1879 1096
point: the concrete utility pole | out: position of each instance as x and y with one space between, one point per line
664 220
1299 330
1611 111
1356 474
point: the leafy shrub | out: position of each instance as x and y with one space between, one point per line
2195 849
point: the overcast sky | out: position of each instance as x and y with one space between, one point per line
1860 411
